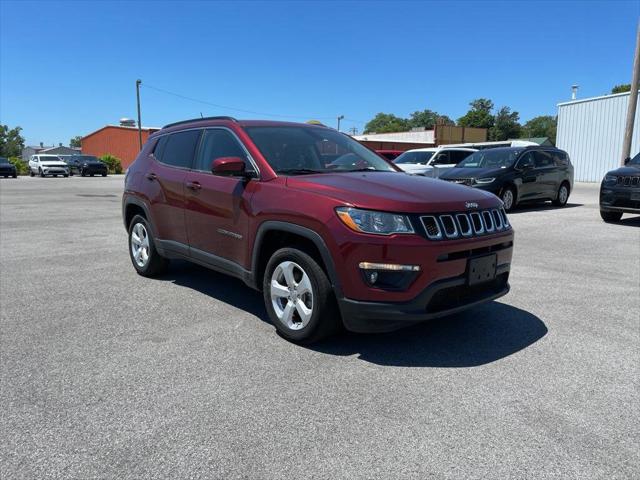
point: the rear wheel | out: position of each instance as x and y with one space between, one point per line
298 297
508 198
562 196
15 175
610 216
104 174
142 250
91 174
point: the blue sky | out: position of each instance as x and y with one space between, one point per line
68 68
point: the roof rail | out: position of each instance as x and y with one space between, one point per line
199 119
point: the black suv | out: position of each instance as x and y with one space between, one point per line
620 191
7 169
85 165
517 174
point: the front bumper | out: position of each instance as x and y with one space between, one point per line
620 199
55 171
441 298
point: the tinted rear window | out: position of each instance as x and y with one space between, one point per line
179 148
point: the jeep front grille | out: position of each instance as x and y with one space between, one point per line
450 226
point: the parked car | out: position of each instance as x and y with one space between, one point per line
44 165
7 169
431 162
370 247
620 191
517 174
390 154
72 163
86 165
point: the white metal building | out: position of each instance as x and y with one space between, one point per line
591 131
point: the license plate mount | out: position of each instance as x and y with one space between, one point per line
481 269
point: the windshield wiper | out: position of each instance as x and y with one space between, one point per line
299 171
367 169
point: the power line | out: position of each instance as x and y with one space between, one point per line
225 107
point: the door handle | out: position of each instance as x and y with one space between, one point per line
194 186
151 177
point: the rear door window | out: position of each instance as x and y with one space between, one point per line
441 158
180 148
159 148
543 159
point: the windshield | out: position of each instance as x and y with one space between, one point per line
635 160
4 160
49 159
84 158
492 158
304 150
414 157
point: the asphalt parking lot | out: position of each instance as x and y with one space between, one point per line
106 374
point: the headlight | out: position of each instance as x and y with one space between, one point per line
484 181
368 221
610 179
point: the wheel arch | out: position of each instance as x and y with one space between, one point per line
272 235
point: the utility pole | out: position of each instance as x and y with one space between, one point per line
340 117
138 82
633 101
354 131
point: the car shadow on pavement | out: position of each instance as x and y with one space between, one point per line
633 221
476 337
541 207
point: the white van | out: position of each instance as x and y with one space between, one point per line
44 165
431 162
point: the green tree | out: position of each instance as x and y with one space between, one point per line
479 115
428 119
542 126
113 163
623 87
11 142
385 123
75 142
506 125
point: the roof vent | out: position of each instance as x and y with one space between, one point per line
127 122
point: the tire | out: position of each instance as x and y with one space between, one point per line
31 174
15 175
41 173
311 287
104 174
91 174
154 264
509 198
82 173
562 196
65 175
610 216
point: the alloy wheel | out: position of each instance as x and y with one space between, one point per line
140 245
292 295
507 199
563 195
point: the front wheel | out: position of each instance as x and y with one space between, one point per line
41 173
31 174
508 198
104 174
610 216
82 173
142 250
562 196
299 298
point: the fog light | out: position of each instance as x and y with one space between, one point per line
388 276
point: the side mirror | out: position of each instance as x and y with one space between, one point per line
229 166
627 160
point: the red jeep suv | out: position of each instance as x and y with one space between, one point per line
331 233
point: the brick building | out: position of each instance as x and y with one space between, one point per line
118 140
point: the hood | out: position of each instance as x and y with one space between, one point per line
626 170
52 163
456 172
393 192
